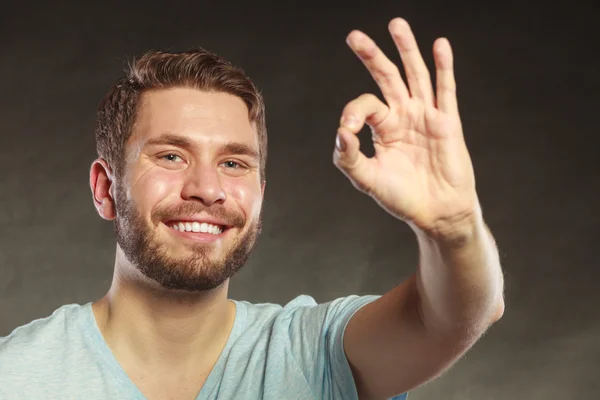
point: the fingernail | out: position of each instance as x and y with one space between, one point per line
340 143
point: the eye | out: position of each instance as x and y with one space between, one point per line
171 157
232 164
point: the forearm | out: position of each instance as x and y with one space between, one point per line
459 279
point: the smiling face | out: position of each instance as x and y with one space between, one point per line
189 204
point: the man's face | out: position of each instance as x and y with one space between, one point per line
189 203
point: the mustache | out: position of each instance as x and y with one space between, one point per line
218 211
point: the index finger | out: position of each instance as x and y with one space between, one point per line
384 72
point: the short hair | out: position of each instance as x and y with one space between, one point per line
196 68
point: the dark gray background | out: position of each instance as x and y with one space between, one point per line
528 88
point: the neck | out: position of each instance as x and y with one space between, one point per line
159 328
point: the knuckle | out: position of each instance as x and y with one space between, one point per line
368 97
447 87
341 164
387 72
351 108
369 52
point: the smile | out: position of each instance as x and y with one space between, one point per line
201 227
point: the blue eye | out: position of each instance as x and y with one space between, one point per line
171 157
231 164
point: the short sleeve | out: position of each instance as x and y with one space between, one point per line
317 334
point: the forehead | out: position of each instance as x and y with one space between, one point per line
199 115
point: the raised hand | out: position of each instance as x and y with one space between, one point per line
421 171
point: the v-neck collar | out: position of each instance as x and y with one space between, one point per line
98 345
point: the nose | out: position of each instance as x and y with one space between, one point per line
203 184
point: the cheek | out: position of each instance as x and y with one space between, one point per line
247 195
150 188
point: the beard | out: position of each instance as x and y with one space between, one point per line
195 272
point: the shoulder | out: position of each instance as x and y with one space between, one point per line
42 337
303 310
297 346
335 314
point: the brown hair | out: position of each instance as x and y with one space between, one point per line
196 68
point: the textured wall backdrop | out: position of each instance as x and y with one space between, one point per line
528 91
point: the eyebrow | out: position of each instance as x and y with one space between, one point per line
170 139
181 141
239 148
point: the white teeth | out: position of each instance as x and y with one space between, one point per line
197 227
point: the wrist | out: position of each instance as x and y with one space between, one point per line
456 231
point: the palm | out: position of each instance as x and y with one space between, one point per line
421 171
418 154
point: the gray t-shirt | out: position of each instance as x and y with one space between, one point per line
273 352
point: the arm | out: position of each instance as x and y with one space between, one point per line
419 329
421 174
460 281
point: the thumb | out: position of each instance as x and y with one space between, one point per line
350 160
347 156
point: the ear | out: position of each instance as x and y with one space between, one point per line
101 181
262 188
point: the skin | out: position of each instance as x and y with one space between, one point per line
161 331
421 174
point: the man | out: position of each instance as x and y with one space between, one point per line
182 151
